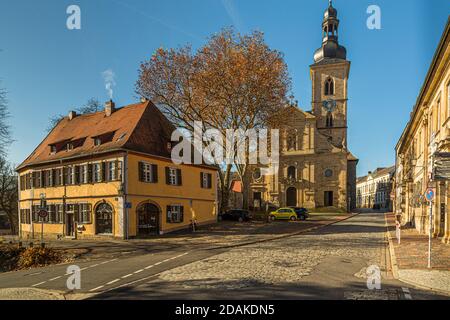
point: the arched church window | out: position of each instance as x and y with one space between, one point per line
329 87
292 172
329 121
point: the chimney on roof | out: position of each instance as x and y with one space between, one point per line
72 114
144 99
109 107
370 172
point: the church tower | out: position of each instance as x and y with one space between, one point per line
329 76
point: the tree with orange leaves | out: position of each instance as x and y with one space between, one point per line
233 82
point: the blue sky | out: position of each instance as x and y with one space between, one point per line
48 69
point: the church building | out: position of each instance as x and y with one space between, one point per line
316 167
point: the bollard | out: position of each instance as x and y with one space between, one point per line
30 245
42 245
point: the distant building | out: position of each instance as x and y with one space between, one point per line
373 191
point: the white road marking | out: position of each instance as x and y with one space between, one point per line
55 278
95 289
38 284
113 281
137 271
407 293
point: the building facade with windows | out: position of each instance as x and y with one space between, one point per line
316 167
374 190
427 133
110 174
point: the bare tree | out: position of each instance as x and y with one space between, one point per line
233 82
5 129
91 106
9 193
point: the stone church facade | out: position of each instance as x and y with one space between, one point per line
316 168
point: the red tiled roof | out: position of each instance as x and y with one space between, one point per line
138 127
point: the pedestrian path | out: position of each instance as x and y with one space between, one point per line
411 258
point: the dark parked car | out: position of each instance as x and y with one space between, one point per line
236 215
302 213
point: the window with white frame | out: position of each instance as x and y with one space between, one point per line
175 214
97 172
173 176
84 213
84 173
112 170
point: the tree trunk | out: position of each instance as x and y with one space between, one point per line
225 186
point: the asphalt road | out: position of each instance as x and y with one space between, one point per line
326 263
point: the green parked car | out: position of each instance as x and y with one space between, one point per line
283 214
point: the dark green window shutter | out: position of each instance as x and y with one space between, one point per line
155 173
141 171
201 180
181 214
89 172
180 181
167 175
77 175
103 171
168 215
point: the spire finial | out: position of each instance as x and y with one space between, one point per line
330 3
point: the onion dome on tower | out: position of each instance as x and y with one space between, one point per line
330 48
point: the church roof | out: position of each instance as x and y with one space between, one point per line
330 49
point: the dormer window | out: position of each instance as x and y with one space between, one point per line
52 149
103 138
69 146
97 141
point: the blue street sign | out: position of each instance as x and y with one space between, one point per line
429 194
127 205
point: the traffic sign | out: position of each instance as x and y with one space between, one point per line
429 194
42 213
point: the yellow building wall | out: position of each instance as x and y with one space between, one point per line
199 203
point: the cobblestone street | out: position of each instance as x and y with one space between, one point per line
328 263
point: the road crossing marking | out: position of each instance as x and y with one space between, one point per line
113 281
38 284
137 271
407 293
95 289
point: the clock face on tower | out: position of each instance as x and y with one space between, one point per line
329 105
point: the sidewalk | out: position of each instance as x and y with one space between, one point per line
410 259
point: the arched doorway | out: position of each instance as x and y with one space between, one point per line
291 197
103 219
148 219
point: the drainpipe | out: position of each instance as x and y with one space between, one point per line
18 208
125 191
